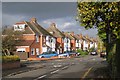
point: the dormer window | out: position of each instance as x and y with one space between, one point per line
19 27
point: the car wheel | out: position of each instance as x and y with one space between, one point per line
42 57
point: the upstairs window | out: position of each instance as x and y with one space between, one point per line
67 40
20 27
32 51
37 38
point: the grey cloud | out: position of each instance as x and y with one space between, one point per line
42 10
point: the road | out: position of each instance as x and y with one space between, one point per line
79 68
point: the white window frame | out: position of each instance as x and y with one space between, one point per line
37 38
32 51
37 51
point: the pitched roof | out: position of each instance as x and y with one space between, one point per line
68 35
22 22
77 37
34 27
56 32
84 38
39 29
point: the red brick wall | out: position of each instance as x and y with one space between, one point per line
36 45
28 37
22 55
59 40
11 65
73 44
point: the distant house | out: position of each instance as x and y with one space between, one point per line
68 42
73 40
36 39
59 36
91 44
78 42
85 43
95 43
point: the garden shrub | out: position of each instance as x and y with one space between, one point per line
82 52
10 58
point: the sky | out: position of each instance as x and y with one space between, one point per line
61 13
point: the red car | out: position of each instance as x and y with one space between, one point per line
103 54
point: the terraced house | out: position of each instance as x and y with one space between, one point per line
72 40
67 41
36 39
60 37
78 41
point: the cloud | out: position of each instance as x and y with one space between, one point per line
67 24
11 19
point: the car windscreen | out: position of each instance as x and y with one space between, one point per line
45 53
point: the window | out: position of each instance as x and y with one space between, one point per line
37 38
19 27
44 39
51 40
67 40
37 51
21 50
32 51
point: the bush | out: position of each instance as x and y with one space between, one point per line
91 49
10 58
82 52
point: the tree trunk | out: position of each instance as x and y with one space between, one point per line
117 58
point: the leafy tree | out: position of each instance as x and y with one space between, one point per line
101 15
9 40
105 16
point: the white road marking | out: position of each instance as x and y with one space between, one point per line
54 71
40 77
65 67
86 73
57 65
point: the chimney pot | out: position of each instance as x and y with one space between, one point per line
33 20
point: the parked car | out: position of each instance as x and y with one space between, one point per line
72 53
103 54
48 54
65 54
93 53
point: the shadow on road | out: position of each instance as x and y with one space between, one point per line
102 72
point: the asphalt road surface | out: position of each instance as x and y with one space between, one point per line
79 68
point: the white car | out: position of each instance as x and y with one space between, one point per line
63 55
93 53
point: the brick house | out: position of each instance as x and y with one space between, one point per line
68 41
85 43
59 36
78 41
73 40
36 39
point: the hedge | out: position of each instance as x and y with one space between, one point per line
10 58
82 52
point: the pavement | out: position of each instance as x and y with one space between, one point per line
80 67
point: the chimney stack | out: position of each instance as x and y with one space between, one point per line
72 33
86 36
53 25
80 35
33 20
